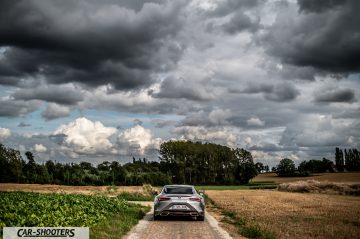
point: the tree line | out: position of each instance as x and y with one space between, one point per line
13 168
206 163
180 162
347 160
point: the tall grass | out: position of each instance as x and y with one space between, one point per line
314 186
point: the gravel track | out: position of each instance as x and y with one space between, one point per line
176 228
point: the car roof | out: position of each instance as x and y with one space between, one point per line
178 185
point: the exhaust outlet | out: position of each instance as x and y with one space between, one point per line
164 213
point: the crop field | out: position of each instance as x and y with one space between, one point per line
260 185
86 190
34 209
293 215
331 177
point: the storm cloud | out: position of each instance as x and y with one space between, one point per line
320 34
88 42
275 92
336 95
107 80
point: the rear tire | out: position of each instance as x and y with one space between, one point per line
200 218
156 218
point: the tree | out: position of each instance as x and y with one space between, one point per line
316 166
198 163
30 168
267 168
259 167
11 164
246 169
286 167
339 160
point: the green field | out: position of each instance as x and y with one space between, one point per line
105 216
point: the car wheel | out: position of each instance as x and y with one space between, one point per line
156 217
200 218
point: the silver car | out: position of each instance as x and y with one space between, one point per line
179 200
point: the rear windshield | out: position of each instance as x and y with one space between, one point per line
178 190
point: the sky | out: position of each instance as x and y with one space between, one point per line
110 80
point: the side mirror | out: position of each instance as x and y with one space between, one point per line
201 194
155 193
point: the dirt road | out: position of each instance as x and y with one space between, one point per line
177 228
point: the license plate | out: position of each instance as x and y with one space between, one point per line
183 207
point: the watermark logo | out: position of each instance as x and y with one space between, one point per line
46 232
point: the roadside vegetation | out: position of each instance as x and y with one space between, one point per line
96 212
147 194
313 186
274 214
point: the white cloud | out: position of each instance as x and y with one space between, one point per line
40 148
139 139
194 133
4 133
254 121
87 137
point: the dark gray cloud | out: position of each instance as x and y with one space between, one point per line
58 138
335 95
291 72
280 92
320 34
229 6
253 88
67 95
55 111
173 87
158 59
302 137
88 42
211 118
138 122
283 92
319 5
241 22
242 17
15 108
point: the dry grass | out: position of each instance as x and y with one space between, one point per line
87 190
313 186
331 177
294 215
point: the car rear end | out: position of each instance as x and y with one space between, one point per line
179 200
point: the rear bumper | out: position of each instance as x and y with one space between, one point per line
174 213
193 211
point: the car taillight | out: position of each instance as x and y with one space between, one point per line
163 199
195 199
